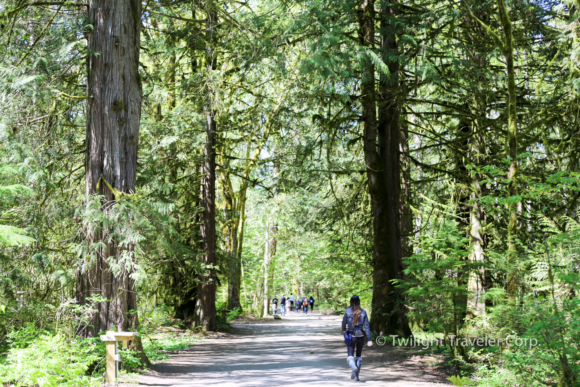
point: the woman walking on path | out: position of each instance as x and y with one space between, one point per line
305 304
311 302
283 305
354 320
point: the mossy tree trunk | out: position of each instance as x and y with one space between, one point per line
508 51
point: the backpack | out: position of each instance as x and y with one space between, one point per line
305 303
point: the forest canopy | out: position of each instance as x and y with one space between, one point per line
190 160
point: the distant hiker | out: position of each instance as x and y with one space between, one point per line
354 320
291 298
305 304
283 305
275 302
311 302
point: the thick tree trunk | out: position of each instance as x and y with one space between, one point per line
388 314
205 310
230 233
113 115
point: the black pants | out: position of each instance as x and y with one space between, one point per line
291 305
357 343
312 307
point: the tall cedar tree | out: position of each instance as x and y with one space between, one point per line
113 115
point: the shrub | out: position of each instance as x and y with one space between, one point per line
51 360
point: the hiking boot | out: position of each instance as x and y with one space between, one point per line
358 362
351 362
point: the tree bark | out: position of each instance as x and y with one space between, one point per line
475 289
112 136
273 242
388 314
405 195
265 271
508 51
205 311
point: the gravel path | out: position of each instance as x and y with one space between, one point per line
299 350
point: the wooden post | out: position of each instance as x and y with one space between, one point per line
112 357
111 367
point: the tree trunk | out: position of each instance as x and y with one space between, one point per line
388 314
508 50
230 236
265 271
475 289
113 115
205 311
405 198
273 242
268 266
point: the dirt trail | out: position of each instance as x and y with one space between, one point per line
299 350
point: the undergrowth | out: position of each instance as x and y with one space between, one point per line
45 357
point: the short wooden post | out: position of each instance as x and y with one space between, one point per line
112 357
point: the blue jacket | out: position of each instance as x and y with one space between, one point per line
363 321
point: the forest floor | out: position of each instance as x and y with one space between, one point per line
298 350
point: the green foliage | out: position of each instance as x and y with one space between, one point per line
435 283
287 90
51 360
13 236
158 347
457 380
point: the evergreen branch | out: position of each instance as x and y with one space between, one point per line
58 183
231 18
177 17
494 36
41 35
41 3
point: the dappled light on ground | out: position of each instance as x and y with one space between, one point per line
298 350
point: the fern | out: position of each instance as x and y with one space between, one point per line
13 236
460 380
14 190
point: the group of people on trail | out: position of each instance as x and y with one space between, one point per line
355 325
301 304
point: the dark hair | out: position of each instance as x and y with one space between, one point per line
355 303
